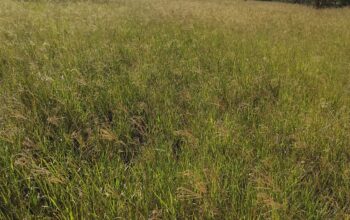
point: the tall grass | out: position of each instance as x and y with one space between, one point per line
174 109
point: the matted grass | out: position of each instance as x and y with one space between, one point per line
174 109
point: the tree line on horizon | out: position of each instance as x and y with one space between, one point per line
319 3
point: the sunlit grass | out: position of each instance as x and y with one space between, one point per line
174 109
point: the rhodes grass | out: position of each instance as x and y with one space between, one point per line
167 109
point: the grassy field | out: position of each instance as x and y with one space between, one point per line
174 109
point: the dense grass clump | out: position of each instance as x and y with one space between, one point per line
174 109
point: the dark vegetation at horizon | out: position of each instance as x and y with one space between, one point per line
318 3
